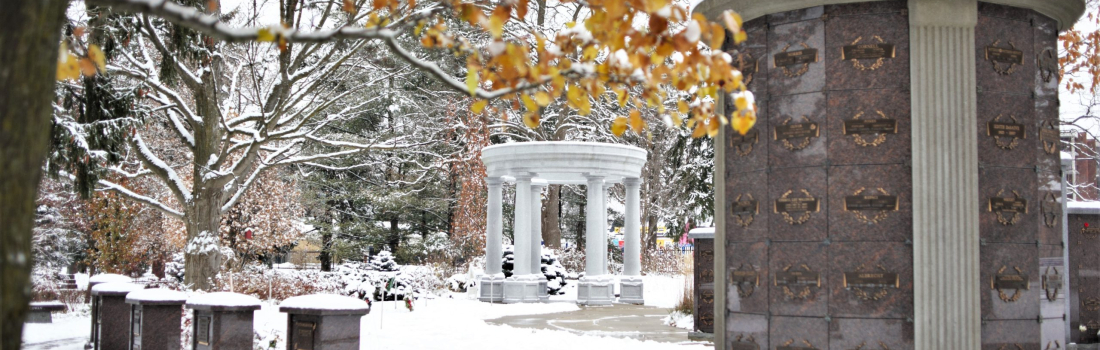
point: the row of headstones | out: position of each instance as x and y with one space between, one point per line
128 316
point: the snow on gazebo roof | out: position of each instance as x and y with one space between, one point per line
564 162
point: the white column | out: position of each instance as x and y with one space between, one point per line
522 227
595 220
494 226
632 254
946 286
536 228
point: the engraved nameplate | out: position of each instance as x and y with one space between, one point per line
745 207
1003 55
1010 282
744 346
867 51
1012 130
871 279
875 203
793 131
790 58
202 330
796 205
1008 205
736 139
870 126
1052 281
1049 135
745 277
303 335
1091 231
797 278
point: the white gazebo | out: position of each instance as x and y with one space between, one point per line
532 166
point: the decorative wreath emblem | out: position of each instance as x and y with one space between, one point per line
1000 214
801 145
1091 304
1012 66
802 294
747 142
862 293
862 215
1048 64
1049 208
743 219
804 341
878 62
805 66
1050 287
1001 293
879 139
1049 146
746 288
1007 143
748 66
1053 345
880 344
742 339
802 218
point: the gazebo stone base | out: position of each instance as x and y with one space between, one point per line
522 289
491 289
630 290
542 292
596 290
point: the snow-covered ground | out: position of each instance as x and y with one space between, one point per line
453 321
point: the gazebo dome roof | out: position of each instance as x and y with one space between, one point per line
564 162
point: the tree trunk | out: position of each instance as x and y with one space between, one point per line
395 235
29 35
551 217
326 251
202 256
581 227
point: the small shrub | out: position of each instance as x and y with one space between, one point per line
686 305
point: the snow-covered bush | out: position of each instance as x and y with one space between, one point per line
550 267
457 283
175 268
572 259
383 261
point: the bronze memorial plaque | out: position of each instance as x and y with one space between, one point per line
796 205
787 59
872 203
794 131
797 278
867 51
871 279
1008 205
744 143
999 129
745 207
303 335
1004 55
870 126
750 277
1009 281
202 330
792 345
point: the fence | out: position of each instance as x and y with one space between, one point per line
668 261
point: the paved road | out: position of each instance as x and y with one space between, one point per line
619 320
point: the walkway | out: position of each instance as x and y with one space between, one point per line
618 321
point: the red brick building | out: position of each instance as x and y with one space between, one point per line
1082 178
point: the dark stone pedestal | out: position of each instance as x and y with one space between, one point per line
155 319
112 315
323 322
704 279
222 321
1083 224
41 312
92 282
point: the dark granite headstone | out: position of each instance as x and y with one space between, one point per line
92 282
1083 224
222 321
41 312
323 322
155 319
112 315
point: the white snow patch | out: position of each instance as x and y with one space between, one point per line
692 32
680 320
325 302
223 299
109 278
116 287
156 294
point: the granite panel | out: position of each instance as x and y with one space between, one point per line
863 8
797 152
1010 335
749 153
160 327
886 302
809 332
1047 150
747 297
1005 29
800 78
1049 196
994 182
751 57
885 225
867 73
704 308
1052 285
868 148
796 183
1084 275
870 334
747 330
1046 38
799 15
743 227
804 299
1010 304
114 323
1005 12
1007 151
1053 334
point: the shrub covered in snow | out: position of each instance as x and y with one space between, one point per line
550 267
457 283
383 261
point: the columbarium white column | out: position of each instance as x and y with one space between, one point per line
522 286
536 237
492 283
630 284
946 284
595 288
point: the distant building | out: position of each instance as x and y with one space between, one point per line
1082 177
